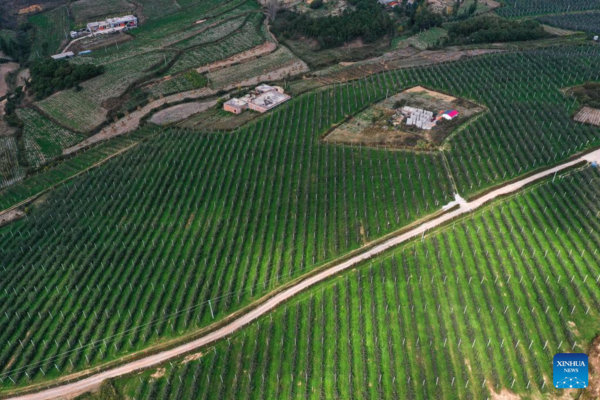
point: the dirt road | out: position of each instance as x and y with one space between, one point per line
464 207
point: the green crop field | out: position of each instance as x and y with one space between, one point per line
300 204
587 22
10 170
131 253
480 306
519 8
51 29
43 139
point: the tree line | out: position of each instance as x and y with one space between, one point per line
367 20
490 29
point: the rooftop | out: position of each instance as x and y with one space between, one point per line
117 20
236 102
270 99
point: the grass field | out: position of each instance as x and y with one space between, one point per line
519 8
586 22
428 38
51 29
481 306
146 240
44 140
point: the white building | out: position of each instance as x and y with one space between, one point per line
236 106
113 25
267 101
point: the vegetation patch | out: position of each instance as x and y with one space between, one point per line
49 76
367 20
587 94
383 124
492 29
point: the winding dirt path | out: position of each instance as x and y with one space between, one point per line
464 208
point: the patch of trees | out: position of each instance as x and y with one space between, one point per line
367 19
316 4
417 16
588 94
492 29
49 76
20 48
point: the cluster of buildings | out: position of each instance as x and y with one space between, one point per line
421 118
262 99
110 25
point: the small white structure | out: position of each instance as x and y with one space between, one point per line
418 117
63 56
113 25
268 88
236 106
267 101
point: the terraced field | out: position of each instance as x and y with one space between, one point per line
51 29
263 66
250 35
10 170
475 310
44 140
95 10
85 110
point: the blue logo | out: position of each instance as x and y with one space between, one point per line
570 370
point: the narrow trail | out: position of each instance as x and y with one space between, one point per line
465 207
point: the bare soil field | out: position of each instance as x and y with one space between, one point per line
588 115
375 126
10 216
180 112
5 69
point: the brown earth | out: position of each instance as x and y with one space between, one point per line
9 217
593 389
